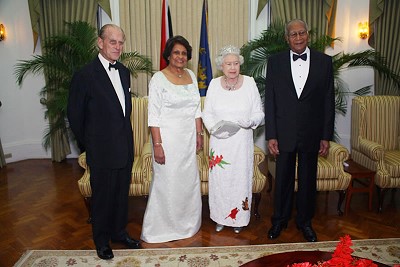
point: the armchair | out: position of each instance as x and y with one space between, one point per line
330 172
375 139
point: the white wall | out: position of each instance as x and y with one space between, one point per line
22 121
21 116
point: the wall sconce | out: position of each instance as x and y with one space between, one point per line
2 32
363 30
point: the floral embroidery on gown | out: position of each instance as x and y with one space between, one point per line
231 159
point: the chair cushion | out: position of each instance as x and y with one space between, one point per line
326 170
392 162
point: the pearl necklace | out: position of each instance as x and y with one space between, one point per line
231 87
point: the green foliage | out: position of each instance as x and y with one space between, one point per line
62 56
256 53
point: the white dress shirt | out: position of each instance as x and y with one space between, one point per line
300 70
115 80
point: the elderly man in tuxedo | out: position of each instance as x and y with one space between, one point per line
300 113
99 109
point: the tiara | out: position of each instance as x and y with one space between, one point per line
229 49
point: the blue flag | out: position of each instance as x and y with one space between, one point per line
204 71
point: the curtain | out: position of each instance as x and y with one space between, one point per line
261 5
384 21
319 15
48 18
228 22
75 11
375 11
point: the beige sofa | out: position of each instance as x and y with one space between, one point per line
142 169
330 172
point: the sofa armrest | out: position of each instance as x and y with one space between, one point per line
371 149
259 179
82 160
259 155
84 181
147 161
337 154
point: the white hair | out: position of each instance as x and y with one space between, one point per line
289 24
228 50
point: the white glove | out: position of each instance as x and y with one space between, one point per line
246 123
222 135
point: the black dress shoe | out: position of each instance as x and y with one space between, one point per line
276 229
308 233
104 253
128 242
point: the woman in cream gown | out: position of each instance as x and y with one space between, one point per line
174 206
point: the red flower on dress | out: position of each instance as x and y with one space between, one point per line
233 213
215 160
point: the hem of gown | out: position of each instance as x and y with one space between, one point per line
230 224
166 239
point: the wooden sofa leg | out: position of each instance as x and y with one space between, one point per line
342 195
393 195
88 207
256 200
381 196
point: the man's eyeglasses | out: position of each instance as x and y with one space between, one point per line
293 35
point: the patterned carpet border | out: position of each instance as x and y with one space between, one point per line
386 251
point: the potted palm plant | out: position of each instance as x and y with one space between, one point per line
256 53
63 55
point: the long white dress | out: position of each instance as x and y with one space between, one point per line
230 177
174 206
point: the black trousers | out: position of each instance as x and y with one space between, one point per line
284 187
110 189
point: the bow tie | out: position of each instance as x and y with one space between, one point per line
303 57
112 66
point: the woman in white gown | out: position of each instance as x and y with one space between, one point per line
174 206
233 98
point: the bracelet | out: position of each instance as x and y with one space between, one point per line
200 133
157 144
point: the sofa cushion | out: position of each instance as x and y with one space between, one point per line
392 162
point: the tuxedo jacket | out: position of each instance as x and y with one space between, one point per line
299 122
96 118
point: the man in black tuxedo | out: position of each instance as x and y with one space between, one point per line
300 113
99 109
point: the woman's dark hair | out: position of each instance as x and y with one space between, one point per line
177 39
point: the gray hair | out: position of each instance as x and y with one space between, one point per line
295 21
103 31
228 50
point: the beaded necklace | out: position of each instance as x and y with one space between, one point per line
231 87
